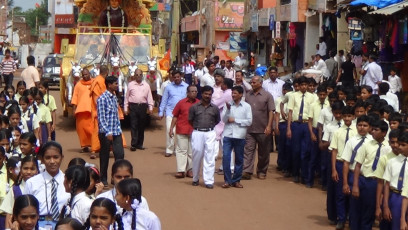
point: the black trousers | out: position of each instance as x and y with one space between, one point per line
138 121
118 152
8 79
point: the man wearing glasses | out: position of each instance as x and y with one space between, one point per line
138 100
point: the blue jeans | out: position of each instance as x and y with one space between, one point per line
238 146
300 149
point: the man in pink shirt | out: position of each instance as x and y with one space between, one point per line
138 100
30 74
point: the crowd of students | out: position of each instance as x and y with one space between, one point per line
36 194
354 142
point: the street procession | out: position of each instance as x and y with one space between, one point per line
233 114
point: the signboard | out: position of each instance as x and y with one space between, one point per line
278 29
272 22
263 19
229 16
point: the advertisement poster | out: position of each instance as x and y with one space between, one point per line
237 42
229 16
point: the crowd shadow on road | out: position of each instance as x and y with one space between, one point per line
66 123
319 220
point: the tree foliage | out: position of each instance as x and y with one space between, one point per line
40 13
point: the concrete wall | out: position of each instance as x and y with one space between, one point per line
342 32
312 36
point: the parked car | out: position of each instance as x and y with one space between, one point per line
51 69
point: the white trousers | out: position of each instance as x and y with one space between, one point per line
169 140
203 146
184 155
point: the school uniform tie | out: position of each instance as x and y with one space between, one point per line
302 104
54 201
347 135
339 123
353 154
377 157
401 175
322 105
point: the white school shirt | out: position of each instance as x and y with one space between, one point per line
350 145
393 169
81 207
145 220
325 116
25 116
330 129
40 187
111 196
188 69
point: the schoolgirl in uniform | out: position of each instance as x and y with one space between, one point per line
5 136
76 182
14 116
29 168
15 143
48 186
21 87
9 90
25 213
27 144
95 186
44 118
121 169
49 101
129 197
69 224
27 115
103 216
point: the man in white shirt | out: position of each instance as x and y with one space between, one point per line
208 78
322 48
373 74
229 71
237 117
318 70
273 85
198 73
395 82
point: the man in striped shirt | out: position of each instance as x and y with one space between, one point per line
8 67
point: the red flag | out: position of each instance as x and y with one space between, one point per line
37 5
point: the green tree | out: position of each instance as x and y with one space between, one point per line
37 17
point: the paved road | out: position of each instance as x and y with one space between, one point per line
274 203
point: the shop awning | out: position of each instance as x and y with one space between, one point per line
377 3
392 9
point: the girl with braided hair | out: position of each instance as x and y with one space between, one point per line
103 216
76 182
129 197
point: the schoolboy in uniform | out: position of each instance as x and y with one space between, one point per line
299 109
360 109
283 147
337 108
349 163
339 140
379 173
394 177
394 120
403 147
315 156
365 183
351 100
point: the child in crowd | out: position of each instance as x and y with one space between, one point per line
76 182
95 186
315 154
28 116
129 197
103 215
121 169
49 101
339 140
394 176
15 145
395 82
44 118
29 168
364 181
21 87
26 204
44 187
27 144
